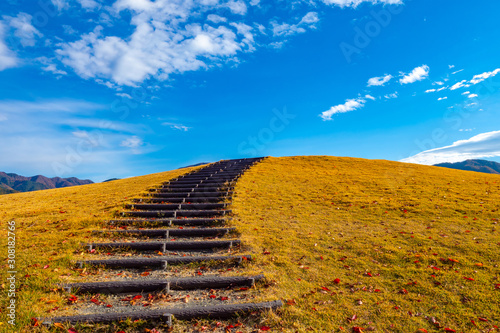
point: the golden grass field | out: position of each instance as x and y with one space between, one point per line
374 246
50 226
350 245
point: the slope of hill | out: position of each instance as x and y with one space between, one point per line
379 245
474 165
12 182
346 243
49 226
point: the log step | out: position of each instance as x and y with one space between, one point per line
215 312
159 262
178 213
169 222
184 206
165 233
167 246
147 285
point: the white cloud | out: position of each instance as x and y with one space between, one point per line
370 97
179 127
442 88
49 66
391 96
456 72
460 84
89 4
8 58
124 95
451 66
379 81
481 77
63 105
155 49
442 98
418 74
216 18
466 93
472 96
349 105
355 3
430 90
439 83
485 145
132 142
60 4
286 29
23 29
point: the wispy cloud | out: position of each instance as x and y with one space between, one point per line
349 105
379 81
485 145
8 58
418 74
179 127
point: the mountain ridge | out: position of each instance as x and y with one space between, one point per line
13 183
483 166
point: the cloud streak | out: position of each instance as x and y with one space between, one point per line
485 145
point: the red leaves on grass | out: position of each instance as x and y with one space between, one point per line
468 278
446 329
482 319
336 281
72 330
357 329
145 274
137 297
72 299
369 274
213 296
265 328
109 306
422 330
325 288
403 291
497 286
452 260
291 302
266 252
224 298
46 266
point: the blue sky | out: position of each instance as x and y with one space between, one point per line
100 89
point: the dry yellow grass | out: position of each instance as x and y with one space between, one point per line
378 245
50 225
311 220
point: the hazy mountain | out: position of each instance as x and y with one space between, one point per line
11 183
474 165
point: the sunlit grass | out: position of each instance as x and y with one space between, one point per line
384 246
50 226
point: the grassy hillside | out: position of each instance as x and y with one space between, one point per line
357 245
50 225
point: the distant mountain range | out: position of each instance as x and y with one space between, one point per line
12 183
474 165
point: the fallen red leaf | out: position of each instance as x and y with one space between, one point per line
422 330
72 330
336 281
265 328
137 297
482 319
325 288
109 306
468 278
356 329
446 329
